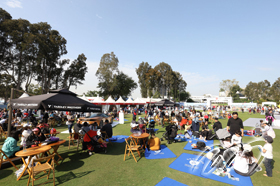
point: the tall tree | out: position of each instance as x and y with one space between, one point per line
51 47
251 91
142 71
264 90
275 90
75 73
166 77
108 69
124 85
233 92
227 84
152 81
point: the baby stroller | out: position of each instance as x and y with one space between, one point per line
222 157
170 133
151 126
90 143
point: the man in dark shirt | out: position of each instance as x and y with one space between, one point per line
217 125
161 116
108 129
235 124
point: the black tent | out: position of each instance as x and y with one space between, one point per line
165 102
62 100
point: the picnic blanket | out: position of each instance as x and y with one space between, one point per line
189 163
236 180
188 146
163 153
168 181
118 139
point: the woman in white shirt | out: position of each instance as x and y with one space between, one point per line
245 163
25 133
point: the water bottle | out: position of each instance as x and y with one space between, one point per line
24 146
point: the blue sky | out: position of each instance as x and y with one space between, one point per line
205 40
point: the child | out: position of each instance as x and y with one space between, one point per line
268 156
188 131
236 138
258 129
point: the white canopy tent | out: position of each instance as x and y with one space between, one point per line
130 101
24 95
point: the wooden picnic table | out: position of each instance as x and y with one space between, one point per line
55 147
143 136
32 151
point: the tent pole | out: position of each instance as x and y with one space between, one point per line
10 112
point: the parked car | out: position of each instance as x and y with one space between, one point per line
99 118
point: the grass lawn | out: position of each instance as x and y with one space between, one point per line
110 169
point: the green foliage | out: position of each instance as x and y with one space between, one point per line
142 72
157 95
31 52
76 72
233 91
227 84
92 93
111 80
6 83
275 90
35 89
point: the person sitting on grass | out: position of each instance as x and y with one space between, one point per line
236 139
10 145
154 142
245 163
188 132
35 137
107 128
267 130
134 128
217 125
204 134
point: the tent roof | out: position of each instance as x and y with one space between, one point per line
110 100
120 100
139 101
165 102
24 95
61 100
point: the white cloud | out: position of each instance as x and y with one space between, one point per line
99 16
14 3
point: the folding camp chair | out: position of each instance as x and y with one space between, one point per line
105 137
2 160
3 133
42 167
131 147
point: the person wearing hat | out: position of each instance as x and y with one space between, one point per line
134 127
25 133
245 163
267 130
35 137
268 156
217 125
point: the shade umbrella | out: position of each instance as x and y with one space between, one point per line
61 100
165 102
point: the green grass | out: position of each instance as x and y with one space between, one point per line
110 169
